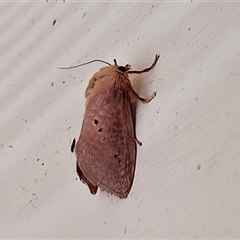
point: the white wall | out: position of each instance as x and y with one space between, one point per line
187 182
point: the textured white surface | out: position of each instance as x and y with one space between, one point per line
187 182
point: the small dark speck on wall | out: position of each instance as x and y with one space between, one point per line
199 167
73 145
54 22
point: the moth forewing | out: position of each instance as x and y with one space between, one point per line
106 148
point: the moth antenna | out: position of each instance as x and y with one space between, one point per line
115 62
96 60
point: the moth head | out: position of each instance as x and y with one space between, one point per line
122 69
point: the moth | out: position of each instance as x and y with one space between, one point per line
106 148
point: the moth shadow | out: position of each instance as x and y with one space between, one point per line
140 85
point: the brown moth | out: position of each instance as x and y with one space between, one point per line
106 148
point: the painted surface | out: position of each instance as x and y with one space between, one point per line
188 169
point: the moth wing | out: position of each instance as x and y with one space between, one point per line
106 149
92 188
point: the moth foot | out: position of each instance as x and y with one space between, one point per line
148 99
138 142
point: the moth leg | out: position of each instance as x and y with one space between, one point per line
138 142
147 69
143 100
